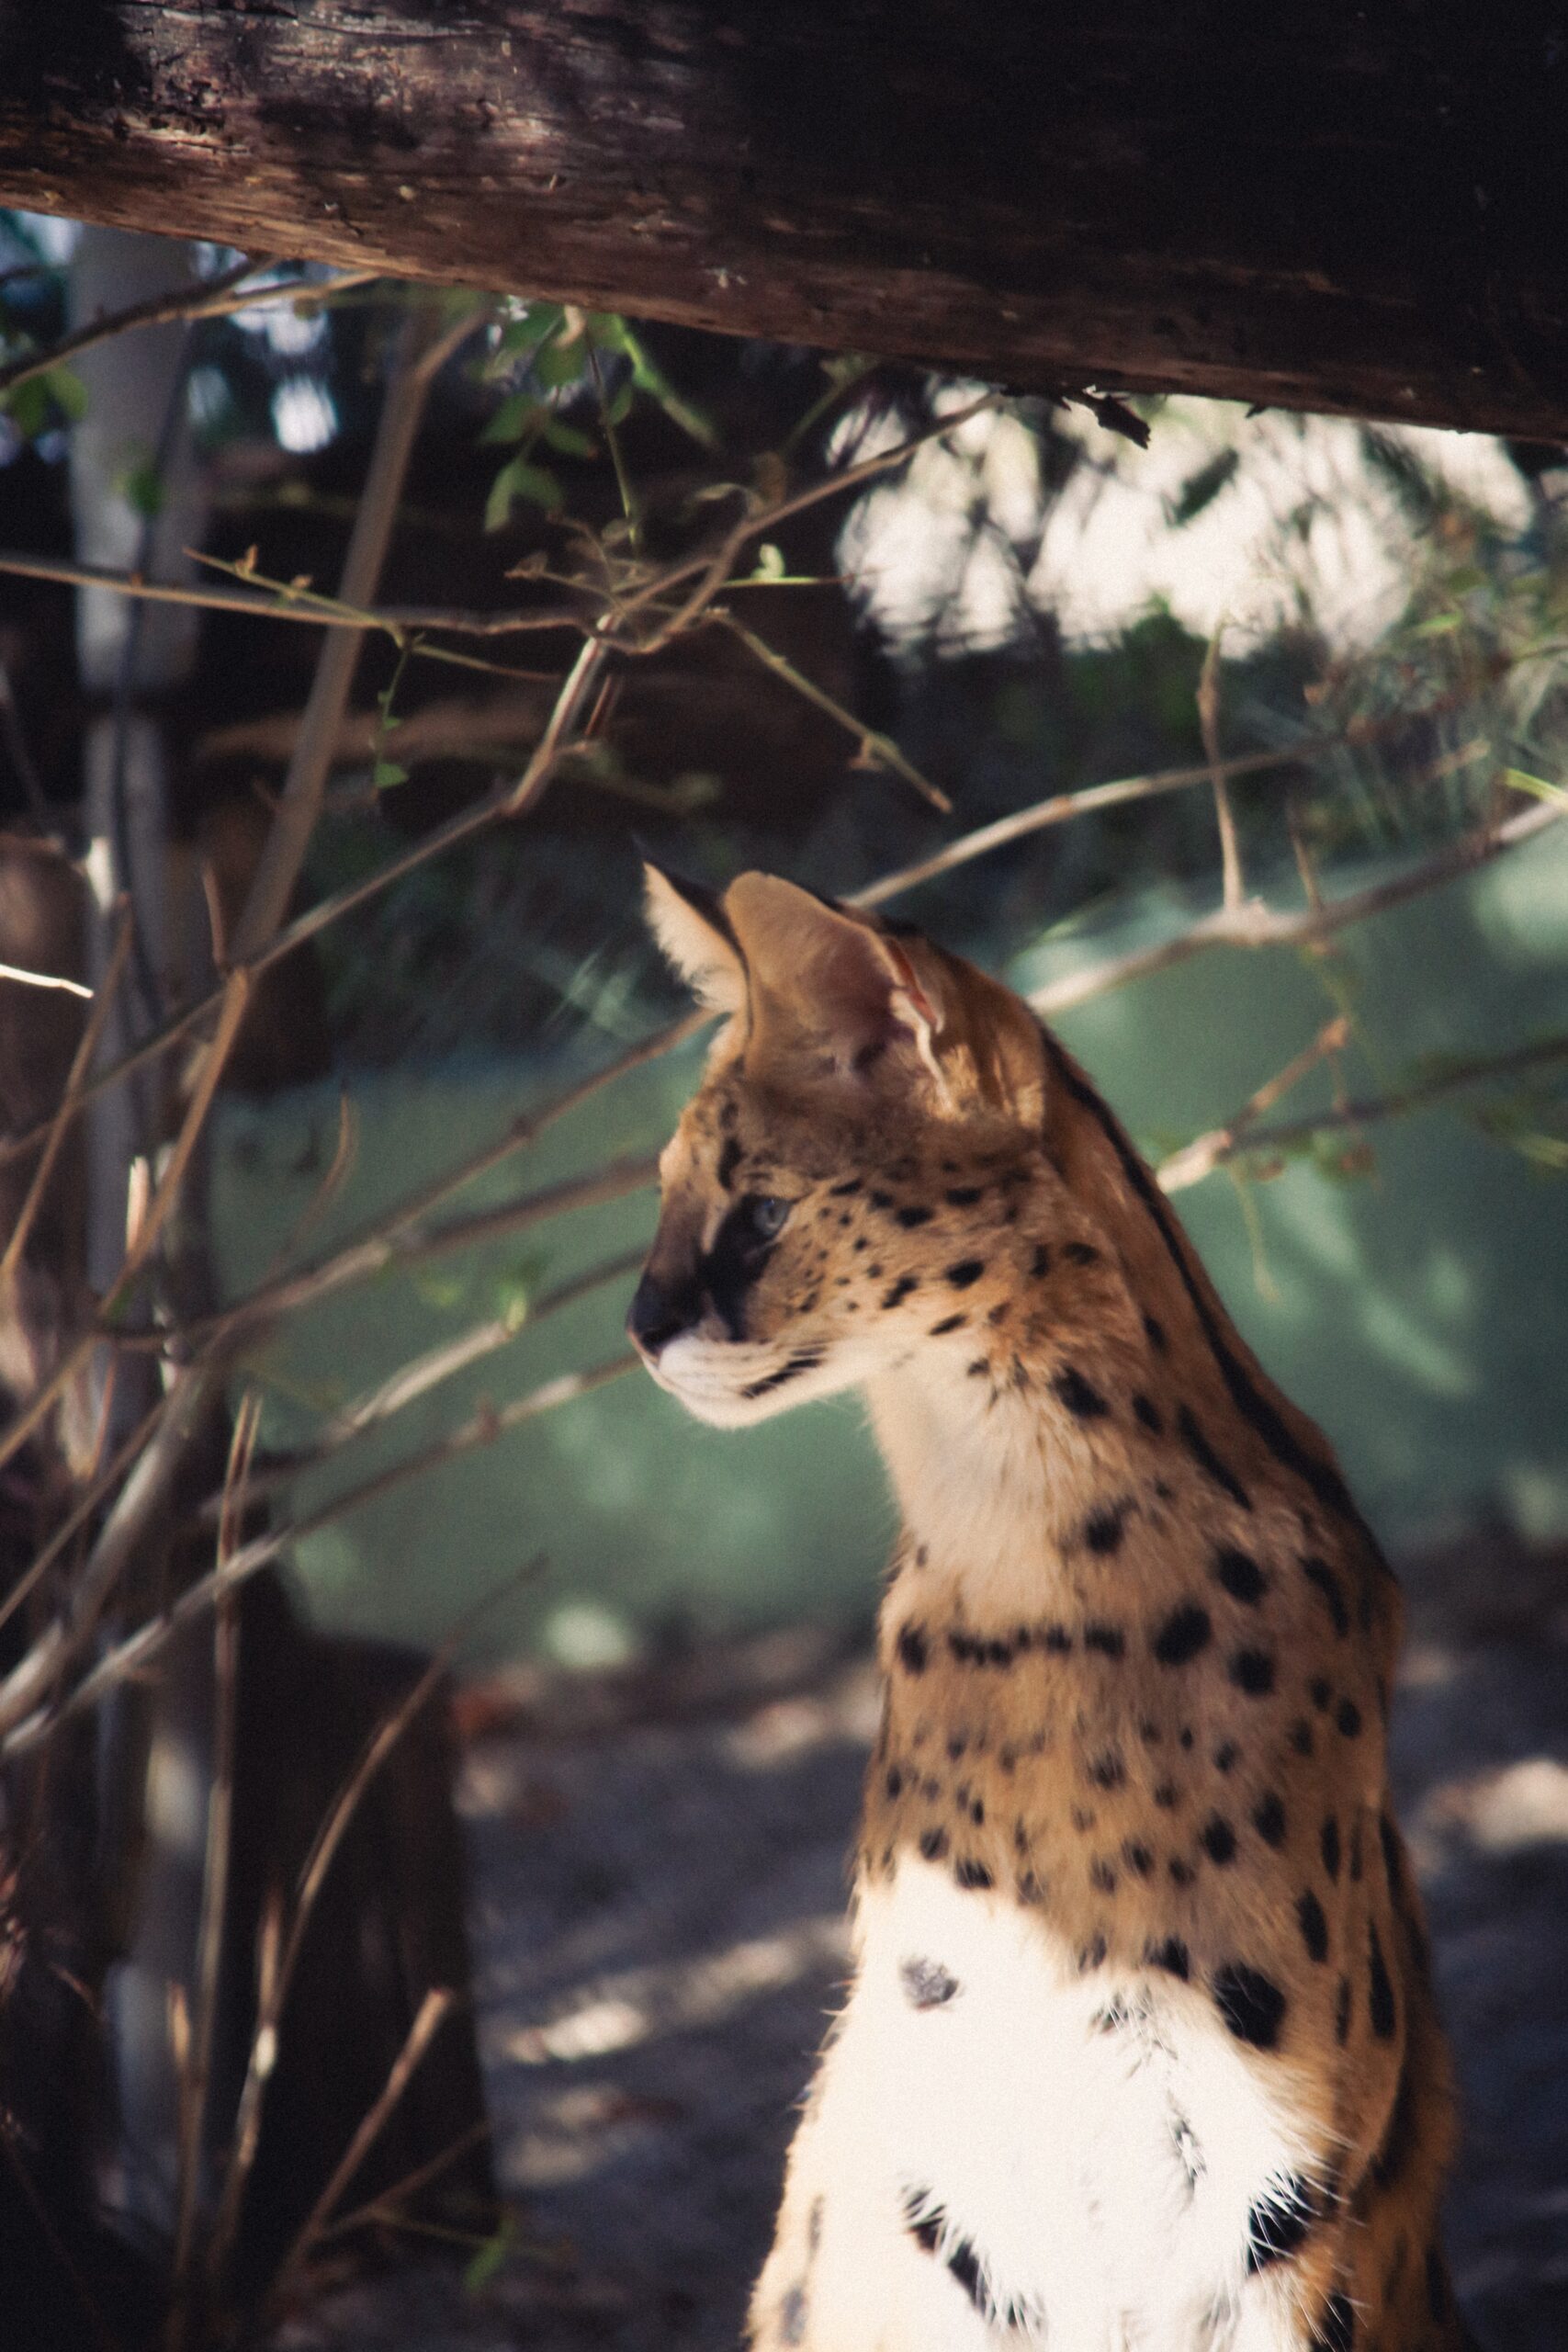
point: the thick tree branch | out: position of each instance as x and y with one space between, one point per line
1327 208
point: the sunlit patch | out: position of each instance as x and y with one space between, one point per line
304 414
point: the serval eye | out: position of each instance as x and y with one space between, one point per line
765 1213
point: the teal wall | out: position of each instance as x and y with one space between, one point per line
1419 1312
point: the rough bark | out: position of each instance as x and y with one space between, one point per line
1324 207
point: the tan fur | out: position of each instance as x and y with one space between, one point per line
1138 1645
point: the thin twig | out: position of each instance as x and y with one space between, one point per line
1194 1160
401 1244
1253 924
284 1946
424 343
416 1379
384 2206
284 600
1233 889
215 1874
1288 1134
81 1063
103 1485
136 1652
434 2011
212 297
873 749
43 980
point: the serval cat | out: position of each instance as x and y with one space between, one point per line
1140 2053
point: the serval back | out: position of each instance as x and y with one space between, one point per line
1140 2049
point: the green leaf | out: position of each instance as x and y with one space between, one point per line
568 438
68 392
1439 625
518 478
44 401
519 414
492 2258
387 773
141 487
562 364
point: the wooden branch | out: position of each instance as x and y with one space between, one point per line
1347 209
1253 924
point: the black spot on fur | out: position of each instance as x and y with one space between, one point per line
1138 1859
1336 2332
1154 1330
911 1217
1109 1640
897 1291
963 1196
1348 1715
1093 1955
948 1323
1328 1842
843 1192
1171 1955
1250 2003
895 1782
1226 1756
1184 1632
1241 1575
1166 1796
1081 1253
933 1844
1057 1640
1181 1873
1081 1399
1393 1860
1208 1460
1040 1264
1252 1671
1379 1991
1218 1839
730 1159
1313 1925
914 1655
1105 1528
1300 1737
1108 1771
1320 1690
1269 1820
1102 1876
927 1984
968 1271
1342 2012
1319 1574
1148 1413
1277 2225
973 1876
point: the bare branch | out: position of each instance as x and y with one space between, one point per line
1253 924
1233 888
433 2010
1195 1161
871 748
81 1063
1289 1135
424 343
211 298
137 1651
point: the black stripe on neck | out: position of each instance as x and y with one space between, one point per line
1255 1408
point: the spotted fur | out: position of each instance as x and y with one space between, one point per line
1140 2045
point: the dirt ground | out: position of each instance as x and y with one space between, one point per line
658 1879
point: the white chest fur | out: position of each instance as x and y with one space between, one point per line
1000 2149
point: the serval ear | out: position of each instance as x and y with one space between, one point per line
836 980
695 933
